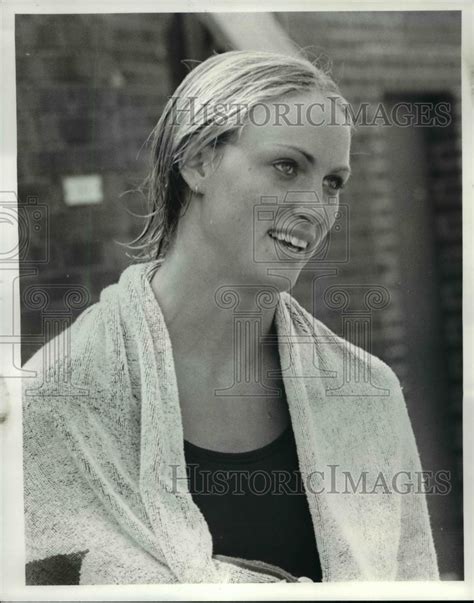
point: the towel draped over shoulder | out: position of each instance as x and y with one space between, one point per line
103 446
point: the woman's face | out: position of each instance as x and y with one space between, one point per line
272 195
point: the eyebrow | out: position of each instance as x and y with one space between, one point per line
311 159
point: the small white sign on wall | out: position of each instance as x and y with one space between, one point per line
83 190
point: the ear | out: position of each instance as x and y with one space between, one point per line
197 170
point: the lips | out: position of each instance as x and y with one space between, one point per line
299 237
289 240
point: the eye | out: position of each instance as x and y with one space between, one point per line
334 183
287 167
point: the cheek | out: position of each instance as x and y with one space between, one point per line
325 218
238 188
332 213
235 198
229 214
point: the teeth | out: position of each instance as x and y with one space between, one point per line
298 243
281 236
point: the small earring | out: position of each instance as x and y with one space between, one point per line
196 189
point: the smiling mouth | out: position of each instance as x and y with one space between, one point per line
290 242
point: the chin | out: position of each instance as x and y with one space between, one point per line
271 275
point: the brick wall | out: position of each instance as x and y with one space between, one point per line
89 90
412 56
91 87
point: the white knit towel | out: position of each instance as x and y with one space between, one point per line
103 431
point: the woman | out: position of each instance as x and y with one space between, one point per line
201 359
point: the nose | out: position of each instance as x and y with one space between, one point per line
311 210
303 198
308 205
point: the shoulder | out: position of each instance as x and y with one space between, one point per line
350 388
88 353
71 360
87 331
69 343
336 354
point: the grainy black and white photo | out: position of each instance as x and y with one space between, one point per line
240 247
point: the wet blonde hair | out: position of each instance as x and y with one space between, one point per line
209 107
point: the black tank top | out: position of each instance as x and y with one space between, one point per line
254 504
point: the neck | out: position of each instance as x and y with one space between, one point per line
205 304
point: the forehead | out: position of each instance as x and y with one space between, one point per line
312 120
